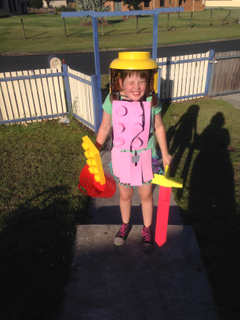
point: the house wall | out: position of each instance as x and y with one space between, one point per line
13 7
223 4
188 5
56 3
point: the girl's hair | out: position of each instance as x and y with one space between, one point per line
148 75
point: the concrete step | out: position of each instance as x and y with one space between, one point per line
109 282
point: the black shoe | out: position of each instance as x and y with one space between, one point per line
122 234
147 239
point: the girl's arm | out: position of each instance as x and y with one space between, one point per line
104 130
162 141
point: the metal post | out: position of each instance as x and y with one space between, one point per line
159 83
23 29
210 73
96 107
97 64
67 87
155 36
64 26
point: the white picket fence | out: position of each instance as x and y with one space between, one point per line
34 95
184 77
49 93
82 97
31 95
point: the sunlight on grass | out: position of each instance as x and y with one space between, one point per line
46 32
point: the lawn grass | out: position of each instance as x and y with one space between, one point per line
204 137
45 33
40 206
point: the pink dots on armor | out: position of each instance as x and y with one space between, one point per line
131 124
119 127
137 127
121 111
118 142
137 143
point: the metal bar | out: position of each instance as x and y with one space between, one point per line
225 93
228 57
211 55
97 68
79 79
211 78
159 83
155 36
182 61
83 121
96 108
50 75
47 75
34 118
67 87
184 97
118 13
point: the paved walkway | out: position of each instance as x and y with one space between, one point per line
233 99
108 282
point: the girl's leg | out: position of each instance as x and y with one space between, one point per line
125 207
125 202
145 192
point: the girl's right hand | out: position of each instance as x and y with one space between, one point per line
168 160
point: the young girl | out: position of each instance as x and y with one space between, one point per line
133 110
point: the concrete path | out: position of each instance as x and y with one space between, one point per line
233 99
108 282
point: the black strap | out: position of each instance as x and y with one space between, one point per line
143 123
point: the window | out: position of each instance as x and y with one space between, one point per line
146 3
1 4
162 3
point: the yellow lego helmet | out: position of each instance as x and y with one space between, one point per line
133 61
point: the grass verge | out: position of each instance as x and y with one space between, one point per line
204 137
45 33
40 206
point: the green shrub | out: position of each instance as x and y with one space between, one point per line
64 9
4 15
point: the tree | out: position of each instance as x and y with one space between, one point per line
93 5
36 4
134 5
48 3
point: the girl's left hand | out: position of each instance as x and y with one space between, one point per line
168 160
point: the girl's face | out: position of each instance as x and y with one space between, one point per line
133 87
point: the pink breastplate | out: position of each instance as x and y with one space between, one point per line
131 128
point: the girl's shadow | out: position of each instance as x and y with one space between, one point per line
212 177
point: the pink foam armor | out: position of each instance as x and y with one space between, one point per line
127 120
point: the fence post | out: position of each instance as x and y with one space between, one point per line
67 87
97 65
210 73
191 19
155 36
23 29
159 83
64 26
96 107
